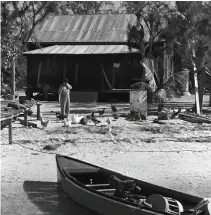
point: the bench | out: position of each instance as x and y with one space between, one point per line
103 188
97 185
109 191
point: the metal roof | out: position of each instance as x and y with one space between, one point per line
85 28
82 50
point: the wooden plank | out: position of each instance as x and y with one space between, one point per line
97 185
116 91
106 190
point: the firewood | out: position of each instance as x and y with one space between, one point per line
193 118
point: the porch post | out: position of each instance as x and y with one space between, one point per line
38 77
102 77
113 77
25 118
64 72
76 73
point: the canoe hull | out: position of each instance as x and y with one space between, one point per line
98 202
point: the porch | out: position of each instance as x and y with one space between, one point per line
96 72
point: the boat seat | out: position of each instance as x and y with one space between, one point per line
104 190
97 185
110 191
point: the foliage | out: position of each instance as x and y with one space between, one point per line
189 32
172 87
149 25
9 50
186 29
143 36
84 7
18 20
5 89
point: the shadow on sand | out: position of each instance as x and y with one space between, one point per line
49 198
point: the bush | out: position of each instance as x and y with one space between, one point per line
5 89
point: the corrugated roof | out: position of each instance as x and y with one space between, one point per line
85 28
82 50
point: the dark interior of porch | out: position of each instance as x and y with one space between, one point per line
103 77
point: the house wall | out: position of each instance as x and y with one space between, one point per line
50 72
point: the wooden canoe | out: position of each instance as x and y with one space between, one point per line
96 188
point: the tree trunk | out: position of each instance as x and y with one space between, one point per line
13 80
196 92
196 85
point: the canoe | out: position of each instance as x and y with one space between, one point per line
110 193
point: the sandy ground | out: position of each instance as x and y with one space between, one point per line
176 155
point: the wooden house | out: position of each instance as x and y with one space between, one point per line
91 51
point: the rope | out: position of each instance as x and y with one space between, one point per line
106 79
186 150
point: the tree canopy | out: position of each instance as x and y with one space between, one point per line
189 32
18 20
84 7
185 28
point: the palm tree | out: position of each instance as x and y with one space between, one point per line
189 31
151 28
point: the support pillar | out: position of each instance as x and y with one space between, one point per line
25 118
38 111
185 90
10 131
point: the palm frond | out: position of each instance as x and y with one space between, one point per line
172 87
148 65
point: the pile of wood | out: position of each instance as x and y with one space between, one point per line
194 118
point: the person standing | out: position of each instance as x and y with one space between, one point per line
64 97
